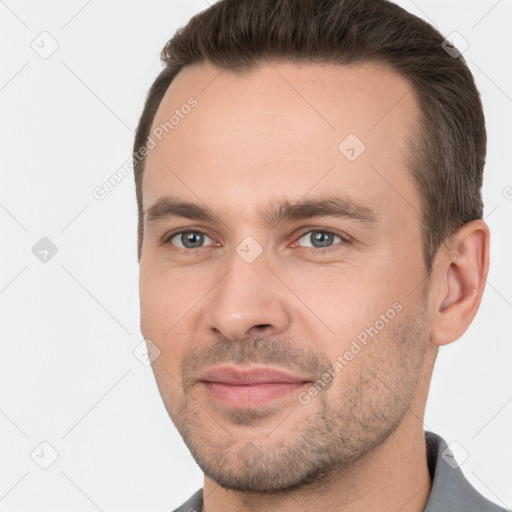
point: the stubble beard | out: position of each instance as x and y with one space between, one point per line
343 424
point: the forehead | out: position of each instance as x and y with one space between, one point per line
283 129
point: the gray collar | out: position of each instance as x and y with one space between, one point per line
451 491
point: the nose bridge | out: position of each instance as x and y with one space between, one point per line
247 295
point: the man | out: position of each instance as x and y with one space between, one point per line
308 177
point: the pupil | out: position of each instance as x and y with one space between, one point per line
192 239
321 239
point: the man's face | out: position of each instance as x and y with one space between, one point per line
261 283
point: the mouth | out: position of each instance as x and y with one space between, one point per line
249 387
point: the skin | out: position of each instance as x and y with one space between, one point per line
272 135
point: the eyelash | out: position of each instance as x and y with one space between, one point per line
345 240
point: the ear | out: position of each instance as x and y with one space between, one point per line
461 268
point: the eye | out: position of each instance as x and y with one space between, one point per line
188 239
319 239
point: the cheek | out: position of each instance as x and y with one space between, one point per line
336 305
153 302
164 299
168 315
158 315
339 305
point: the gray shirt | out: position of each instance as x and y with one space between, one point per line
450 492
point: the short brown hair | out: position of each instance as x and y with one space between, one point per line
448 157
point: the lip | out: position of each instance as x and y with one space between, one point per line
250 375
246 387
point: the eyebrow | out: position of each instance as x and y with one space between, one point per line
331 206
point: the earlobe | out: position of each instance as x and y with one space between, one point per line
461 270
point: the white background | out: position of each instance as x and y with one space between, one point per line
69 326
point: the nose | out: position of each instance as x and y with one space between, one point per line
247 300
